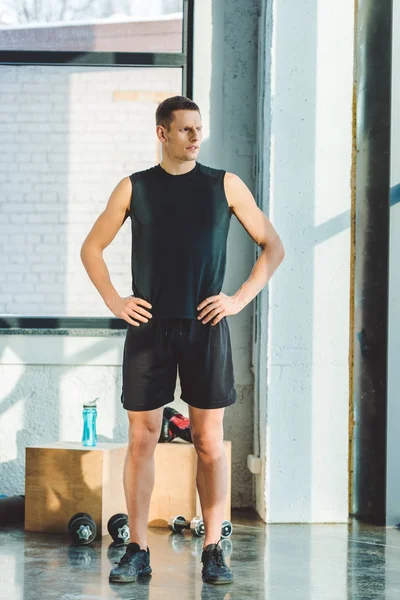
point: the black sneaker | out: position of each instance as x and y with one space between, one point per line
215 570
135 562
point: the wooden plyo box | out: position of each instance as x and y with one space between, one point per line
64 478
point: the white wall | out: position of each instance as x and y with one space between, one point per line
67 136
304 409
393 465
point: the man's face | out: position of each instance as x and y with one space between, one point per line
184 137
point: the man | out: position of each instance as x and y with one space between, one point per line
180 213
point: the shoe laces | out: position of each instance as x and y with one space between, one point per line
217 554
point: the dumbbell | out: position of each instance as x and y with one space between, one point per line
196 526
178 524
82 528
118 528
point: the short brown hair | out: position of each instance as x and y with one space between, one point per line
164 112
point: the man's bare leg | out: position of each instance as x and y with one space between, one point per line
212 471
144 433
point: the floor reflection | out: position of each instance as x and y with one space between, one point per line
296 562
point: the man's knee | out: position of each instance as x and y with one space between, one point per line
143 436
142 441
209 447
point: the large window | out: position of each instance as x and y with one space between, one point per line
72 124
93 25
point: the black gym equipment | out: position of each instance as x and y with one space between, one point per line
82 529
166 434
179 425
12 510
118 528
178 523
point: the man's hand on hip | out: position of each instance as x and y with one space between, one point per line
217 307
125 308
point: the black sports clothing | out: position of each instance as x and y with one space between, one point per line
215 570
134 563
180 225
154 351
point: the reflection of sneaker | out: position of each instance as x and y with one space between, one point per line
135 562
215 570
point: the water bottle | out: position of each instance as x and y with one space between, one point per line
89 436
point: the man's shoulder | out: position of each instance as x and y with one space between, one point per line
148 174
211 171
144 174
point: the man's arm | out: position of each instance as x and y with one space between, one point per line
260 229
101 235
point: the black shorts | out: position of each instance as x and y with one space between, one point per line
154 351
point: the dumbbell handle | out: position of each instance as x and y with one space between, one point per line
180 524
196 525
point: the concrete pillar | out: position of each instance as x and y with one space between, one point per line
303 367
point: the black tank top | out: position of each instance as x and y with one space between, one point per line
180 226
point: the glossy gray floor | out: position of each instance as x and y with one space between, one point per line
276 562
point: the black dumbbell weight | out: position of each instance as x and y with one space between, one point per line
82 529
118 528
196 526
178 524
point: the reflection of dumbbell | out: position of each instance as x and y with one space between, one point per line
81 556
226 545
181 544
118 528
196 526
115 552
82 528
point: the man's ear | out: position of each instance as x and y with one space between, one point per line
160 132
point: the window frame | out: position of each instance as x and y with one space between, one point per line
183 59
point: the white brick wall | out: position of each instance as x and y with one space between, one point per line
65 142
